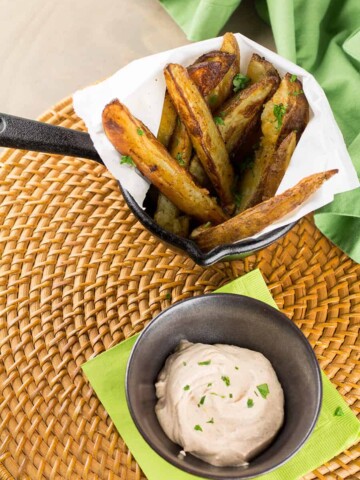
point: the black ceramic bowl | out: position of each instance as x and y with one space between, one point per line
184 245
234 320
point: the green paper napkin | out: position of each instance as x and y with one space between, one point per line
332 434
322 36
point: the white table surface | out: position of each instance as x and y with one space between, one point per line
48 48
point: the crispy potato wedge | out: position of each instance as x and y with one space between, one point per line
203 132
255 219
153 161
167 215
260 68
286 111
167 122
238 115
278 166
211 71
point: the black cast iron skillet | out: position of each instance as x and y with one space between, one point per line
17 132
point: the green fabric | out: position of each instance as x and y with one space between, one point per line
332 434
322 36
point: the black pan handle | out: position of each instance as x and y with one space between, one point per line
17 132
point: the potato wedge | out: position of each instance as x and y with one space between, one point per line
278 166
131 137
203 132
167 215
255 219
286 111
260 68
167 122
208 73
238 115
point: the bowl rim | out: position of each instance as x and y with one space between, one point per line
235 297
189 247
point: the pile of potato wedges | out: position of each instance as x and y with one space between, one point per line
224 143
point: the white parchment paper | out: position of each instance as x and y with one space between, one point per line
141 87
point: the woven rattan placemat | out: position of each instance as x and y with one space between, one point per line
78 274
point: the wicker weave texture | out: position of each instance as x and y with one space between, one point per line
78 274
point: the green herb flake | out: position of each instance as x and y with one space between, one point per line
219 121
209 384
127 160
210 421
296 93
140 132
217 395
236 368
263 389
206 362
339 412
250 403
187 387
226 380
207 225
230 395
213 99
293 78
198 428
180 159
279 112
168 296
247 164
184 363
238 198
202 401
240 81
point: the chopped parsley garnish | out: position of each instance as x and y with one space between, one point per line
210 421
230 395
198 428
168 296
127 160
240 81
217 395
263 389
180 159
187 387
213 99
226 380
184 363
236 368
209 384
279 112
237 197
206 362
140 132
339 412
293 78
298 92
247 164
207 225
250 403
219 121
202 401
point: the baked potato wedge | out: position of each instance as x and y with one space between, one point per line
238 115
278 166
286 111
167 215
260 68
255 219
203 132
132 138
167 121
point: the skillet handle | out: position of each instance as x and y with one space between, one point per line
17 132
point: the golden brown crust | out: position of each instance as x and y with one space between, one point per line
167 121
259 68
203 132
255 219
153 161
211 71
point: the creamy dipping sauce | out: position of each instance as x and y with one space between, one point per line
221 403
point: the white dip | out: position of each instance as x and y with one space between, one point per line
221 403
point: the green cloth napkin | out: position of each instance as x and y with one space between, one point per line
332 434
322 36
